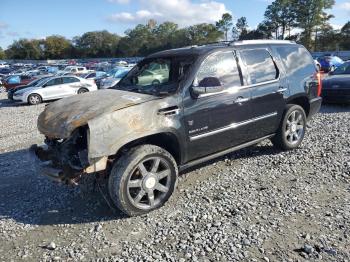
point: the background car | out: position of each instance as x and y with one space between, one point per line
336 87
329 63
97 76
13 81
149 77
11 91
115 78
54 88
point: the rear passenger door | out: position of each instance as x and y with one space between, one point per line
217 121
70 86
263 78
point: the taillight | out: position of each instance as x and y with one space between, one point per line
319 86
318 77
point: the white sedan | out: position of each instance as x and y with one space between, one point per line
54 88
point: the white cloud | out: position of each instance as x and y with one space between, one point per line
123 2
182 12
3 25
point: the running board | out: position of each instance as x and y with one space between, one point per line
222 153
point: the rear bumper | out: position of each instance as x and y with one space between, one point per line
315 106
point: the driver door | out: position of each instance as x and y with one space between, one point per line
217 121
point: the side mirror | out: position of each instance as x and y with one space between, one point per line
207 85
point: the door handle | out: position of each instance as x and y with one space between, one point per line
241 100
281 90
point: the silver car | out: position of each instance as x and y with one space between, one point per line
54 88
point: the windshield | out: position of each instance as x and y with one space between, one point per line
41 82
121 74
156 76
342 69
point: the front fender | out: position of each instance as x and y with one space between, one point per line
109 132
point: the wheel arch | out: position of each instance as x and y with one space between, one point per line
165 140
301 100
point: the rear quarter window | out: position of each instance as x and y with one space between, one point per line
296 59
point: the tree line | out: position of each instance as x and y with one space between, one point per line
304 21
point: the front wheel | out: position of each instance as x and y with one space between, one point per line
34 99
142 180
292 129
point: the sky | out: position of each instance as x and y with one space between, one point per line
36 19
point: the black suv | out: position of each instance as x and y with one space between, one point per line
176 109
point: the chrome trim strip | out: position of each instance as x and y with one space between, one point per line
218 154
232 126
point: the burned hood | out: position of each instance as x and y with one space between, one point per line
61 118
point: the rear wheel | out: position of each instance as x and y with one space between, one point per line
142 180
155 82
34 99
292 129
82 90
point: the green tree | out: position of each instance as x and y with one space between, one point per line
56 46
309 15
97 44
281 16
241 27
202 34
2 53
225 24
345 36
24 49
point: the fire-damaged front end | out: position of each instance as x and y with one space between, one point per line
65 160
83 132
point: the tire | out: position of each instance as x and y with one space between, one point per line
83 90
34 99
134 187
292 128
155 82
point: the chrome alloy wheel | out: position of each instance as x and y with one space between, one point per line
149 183
295 127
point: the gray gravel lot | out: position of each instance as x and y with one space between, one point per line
258 204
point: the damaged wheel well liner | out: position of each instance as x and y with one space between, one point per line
167 141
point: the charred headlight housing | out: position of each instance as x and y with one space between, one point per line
73 151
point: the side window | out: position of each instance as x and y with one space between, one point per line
260 65
219 69
53 82
297 60
68 80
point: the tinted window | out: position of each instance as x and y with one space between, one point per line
153 75
67 80
260 65
53 82
221 66
296 59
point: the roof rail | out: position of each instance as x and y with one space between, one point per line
262 41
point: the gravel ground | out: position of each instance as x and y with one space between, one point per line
257 204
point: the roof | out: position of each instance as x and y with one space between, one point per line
207 48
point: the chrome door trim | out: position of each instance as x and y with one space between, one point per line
232 126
